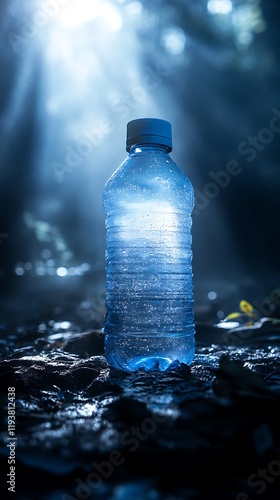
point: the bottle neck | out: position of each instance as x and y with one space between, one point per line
148 148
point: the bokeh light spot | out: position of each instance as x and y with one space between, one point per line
219 7
173 40
19 271
134 9
61 271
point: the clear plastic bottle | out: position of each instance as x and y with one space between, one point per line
148 201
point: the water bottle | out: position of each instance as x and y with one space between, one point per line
148 202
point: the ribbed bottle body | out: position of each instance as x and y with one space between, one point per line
149 319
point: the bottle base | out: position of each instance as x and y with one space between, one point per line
150 353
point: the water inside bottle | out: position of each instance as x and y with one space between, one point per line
149 288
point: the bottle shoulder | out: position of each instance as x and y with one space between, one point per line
138 169
146 177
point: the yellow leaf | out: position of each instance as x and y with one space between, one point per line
246 307
233 315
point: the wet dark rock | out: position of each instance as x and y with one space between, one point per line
233 380
84 344
64 371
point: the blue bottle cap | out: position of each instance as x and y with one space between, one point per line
149 131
